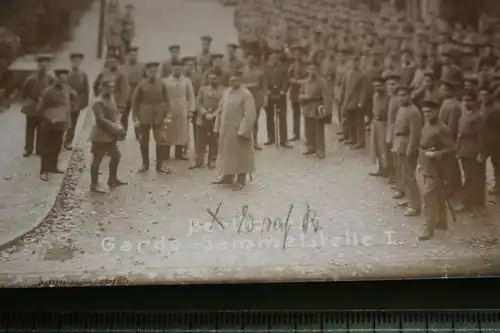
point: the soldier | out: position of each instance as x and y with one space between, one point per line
276 77
255 81
380 150
408 68
128 27
435 143
207 103
429 90
182 105
196 78
121 88
420 69
151 112
231 62
136 72
340 72
296 73
31 92
106 133
316 101
407 131
79 82
316 50
175 56
472 153
448 66
204 59
470 82
114 39
54 109
235 123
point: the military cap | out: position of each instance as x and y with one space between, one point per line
188 59
451 78
207 38
43 58
76 55
430 104
212 73
470 77
133 49
174 47
469 95
232 45
152 64
218 56
177 63
403 87
111 56
61 72
445 50
296 47
485 87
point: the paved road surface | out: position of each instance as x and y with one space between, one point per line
161 227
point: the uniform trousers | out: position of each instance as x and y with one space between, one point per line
70 132
33 132
296 109
397 176
354 125
495 163
99 150
51 148
474 188
276 105
206 137
145 135
434 204
408 166
256 126
315 135
452 178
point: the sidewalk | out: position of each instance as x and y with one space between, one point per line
25 200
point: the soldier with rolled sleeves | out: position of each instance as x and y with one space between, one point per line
254 79
204 59
122 87
207 105
435 144
296 73
380 150
151 113
407 132
136 72
316 101
31 92
175 56
491 112
54 109
429 90
276 76
106 133
472 154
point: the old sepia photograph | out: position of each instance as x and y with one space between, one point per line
229 141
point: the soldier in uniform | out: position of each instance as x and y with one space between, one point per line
435 143
408 68
54 109
151 112
204 59
420 69
407 132
231 63
31 92
470 82
340 72
121 88
429 90
276 77
316 100
106 133
79 82
472 153
218 68
114 39
380 150
136 72
296 73
196 78
128 27
175 56
207 104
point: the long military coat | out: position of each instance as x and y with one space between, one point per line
236 117
181 100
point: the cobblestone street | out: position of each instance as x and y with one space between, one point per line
342 224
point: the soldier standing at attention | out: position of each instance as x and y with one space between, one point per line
204 59
150 111
407 132
136 72
254 80
175 56
79 82
31 92
54 109
276 77
106 133
207 104
128 27
296 73
472 153
316 101
196 78
122 87
435 143
380 151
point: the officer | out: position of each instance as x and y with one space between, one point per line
150 111
136 71
231 62
106 133
435 143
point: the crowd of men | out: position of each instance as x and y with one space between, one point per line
434 106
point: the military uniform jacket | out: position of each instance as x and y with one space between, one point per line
381 107
471 140
122 87
55 107
422 94
204 61
128 24
150 102
277 79
438 138
230 66
196 79
353 86
491 114
207 101
407 74
79 82
114 35
107 119
254 80
135 73
314 93
296 73
31 91
407 130
450 114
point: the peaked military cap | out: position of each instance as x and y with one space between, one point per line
430 104
152 64
108 82
451 78
76 55
188 59
212 73
174 47
133 49
378 78
232 45
43 58
111 56
61 72
218 56
207 38
237 73
406 49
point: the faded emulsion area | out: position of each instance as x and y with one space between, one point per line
204 141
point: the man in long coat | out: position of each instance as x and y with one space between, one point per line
235 123
182 106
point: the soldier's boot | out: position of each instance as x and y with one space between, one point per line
145 159
224 180
426 235
95 188
113 180
160 160
410 212
398 195
240 181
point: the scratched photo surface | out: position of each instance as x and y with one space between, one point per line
206 141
